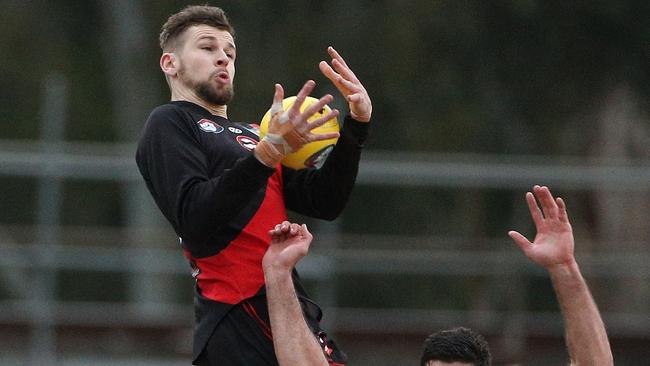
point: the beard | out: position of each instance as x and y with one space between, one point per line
214 94
211 92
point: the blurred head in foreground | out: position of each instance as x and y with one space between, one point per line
456 347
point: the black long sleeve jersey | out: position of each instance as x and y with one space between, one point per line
221 200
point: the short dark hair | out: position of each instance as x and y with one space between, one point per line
191 15
456 345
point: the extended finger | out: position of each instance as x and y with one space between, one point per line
317 106
522 242
549 207
322 136
302 94
344 71
354 87
336 55
333 76
328 71
277 99
322 120
341 76
535 212
562 215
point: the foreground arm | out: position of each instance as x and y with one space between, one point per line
552 249
294 343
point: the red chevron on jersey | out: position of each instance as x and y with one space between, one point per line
235 273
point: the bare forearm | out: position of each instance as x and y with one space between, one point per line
586 337
294 343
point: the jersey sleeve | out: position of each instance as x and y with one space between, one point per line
323 193
175 169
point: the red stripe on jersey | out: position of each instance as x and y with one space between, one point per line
235 273
250 310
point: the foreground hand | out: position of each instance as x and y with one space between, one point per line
553 244
289 243
349 86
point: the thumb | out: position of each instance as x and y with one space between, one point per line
521 241
277 99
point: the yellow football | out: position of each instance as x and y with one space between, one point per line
313 154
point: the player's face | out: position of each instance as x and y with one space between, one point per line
207 63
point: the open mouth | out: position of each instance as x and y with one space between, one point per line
223 76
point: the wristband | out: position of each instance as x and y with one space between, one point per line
278 142
267 154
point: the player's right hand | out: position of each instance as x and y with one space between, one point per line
289 130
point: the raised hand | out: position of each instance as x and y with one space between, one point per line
553 244
289 243
350 87
585 334
297 132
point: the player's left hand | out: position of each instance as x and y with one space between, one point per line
349 86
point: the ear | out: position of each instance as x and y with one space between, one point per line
169 63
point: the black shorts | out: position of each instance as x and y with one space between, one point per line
243 337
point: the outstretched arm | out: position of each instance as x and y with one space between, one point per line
324 192
552 249
294 343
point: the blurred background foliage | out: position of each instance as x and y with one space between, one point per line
505 77
445 75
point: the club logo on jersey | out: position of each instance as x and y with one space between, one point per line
317 159
251 127
246 142
209 126
234 130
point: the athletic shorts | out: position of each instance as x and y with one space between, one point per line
243 337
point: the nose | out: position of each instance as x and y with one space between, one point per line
222 59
